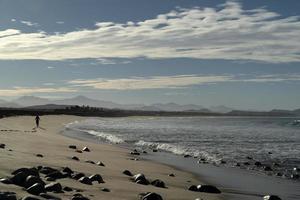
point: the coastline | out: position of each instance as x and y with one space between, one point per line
25 143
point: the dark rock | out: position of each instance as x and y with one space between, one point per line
271 197
31 180
78 175
67 170
257 164
67 189
48 196
276 165
154 150
39 155
2 146
268 168
127 172
79 197
96 177
6 181
19 178
78 151
36 189
279 174
53 187
223 162
90 161
140 179
246 163
100 164
187 156
193 188
50 179
8 196
47 170
86 149
238 164
172 175
158 183
249 158
134 153
85 180
145 152
56 175
150 196
105 189
27 171
75 158
270 152
72 147
208 189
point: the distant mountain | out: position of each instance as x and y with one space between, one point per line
31 101
7 104
47 107
220 109
176 107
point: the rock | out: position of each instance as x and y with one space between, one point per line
31 180
27 171
86 149
238 164
150 196
56 175
53 187
268 168
145 152
105 189
78 151
295 176
67 170
48 196
100 164
158 183
36 189
8 196
6 181
90 161
276 164
171 175
19 178
208 189
85 180
134 153
127 172
47 170
246 163
270 152
72 147
30 198
249 158
154 150
2 146
140 179
67 189
50 179
79 197
193 188
223 162
78 175
96 177
75 158
257 164
187 156
279 174
271 197
39 155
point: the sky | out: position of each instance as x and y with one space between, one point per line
241 54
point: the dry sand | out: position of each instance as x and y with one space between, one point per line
18 135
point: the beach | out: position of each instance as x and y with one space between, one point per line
23 143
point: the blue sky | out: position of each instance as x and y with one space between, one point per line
242 54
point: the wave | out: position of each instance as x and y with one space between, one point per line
106 136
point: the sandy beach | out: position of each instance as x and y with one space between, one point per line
23 143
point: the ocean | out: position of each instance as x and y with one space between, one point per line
230 141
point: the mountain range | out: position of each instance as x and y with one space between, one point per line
38 102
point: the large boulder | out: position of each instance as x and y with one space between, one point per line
19 178
36 189
127 172
67 170
158 183
27 171
8 196
56 175
77 176
140 179
31 180
272 197
53 187
96 177
193 188
85 180
208 189
150 196
6 181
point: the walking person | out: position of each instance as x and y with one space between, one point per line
37 121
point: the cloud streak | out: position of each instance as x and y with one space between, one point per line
226 32
19 91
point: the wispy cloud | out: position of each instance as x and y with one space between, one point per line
18 91
29 23
176 82
227 32
60 22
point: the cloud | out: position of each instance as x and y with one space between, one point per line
60 22
154 82
177 82
18 91
226 32
29 23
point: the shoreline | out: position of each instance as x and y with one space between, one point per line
25 143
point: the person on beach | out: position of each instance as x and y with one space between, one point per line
37 121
